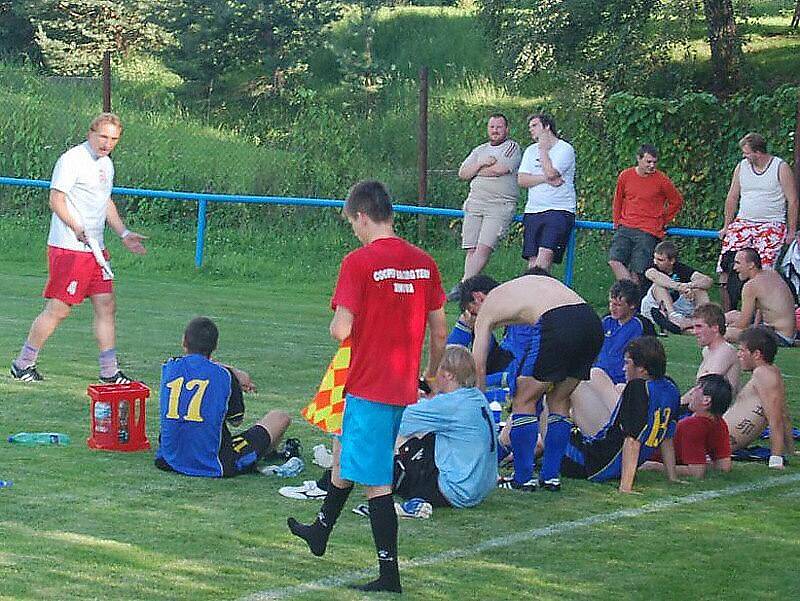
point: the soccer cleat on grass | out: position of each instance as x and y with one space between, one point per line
551 485
378 586
414 508
361 509
117 378
29 374
292 447
511 484
663 322
455 293
308 491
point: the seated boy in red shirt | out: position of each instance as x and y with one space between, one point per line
702 439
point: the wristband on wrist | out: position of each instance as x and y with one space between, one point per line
125 233
775 461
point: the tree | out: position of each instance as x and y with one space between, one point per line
16 32
726 45
216 37
614 42
73 34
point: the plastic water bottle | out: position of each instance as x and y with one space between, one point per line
39 438
102 416
6 483
497 411
123 422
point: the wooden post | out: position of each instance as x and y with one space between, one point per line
107 81
422 152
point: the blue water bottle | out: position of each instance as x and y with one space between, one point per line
39 438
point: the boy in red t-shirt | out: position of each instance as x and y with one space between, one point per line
702 439
388 291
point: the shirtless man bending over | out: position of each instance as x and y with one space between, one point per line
762 401
567 337
764 293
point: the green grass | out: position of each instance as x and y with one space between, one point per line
83 524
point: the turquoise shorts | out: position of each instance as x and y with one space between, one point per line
369 431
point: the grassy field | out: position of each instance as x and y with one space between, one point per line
82 524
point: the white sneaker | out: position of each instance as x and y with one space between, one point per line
414 508
308 491
323 457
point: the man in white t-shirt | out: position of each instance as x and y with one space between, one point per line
548 171
491 170
80 198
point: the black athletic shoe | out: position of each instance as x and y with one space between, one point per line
378 586
117 378
291 448
551 485
511 484
455 293
29 374
663 322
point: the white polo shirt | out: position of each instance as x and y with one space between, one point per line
545 197
87 181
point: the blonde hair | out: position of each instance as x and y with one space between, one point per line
458 361
106 118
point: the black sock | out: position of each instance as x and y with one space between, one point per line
383 520
316 535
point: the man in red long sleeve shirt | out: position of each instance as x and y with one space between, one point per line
645 201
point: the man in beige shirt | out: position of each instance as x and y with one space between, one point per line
491 170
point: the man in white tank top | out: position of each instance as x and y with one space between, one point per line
762 188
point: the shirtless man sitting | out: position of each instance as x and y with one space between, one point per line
765 294
762 401
567 337
719 356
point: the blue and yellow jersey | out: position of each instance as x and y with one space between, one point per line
646 411
196 397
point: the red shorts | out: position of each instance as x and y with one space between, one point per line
765 237
74 275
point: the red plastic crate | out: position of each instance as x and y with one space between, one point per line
125 407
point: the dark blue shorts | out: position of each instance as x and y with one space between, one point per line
548 229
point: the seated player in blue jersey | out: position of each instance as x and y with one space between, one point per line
197 397
620 326
640 421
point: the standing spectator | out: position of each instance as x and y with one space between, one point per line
645 201
763 189
491 170
80 198
388 291
548 171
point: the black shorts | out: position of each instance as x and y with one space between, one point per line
565 345
633 248
415 471
548 229
244 450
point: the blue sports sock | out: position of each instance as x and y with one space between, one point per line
524 432
555 444
27 356
108 363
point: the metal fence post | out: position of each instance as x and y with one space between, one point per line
569 264
201 232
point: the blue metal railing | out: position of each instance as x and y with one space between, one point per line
203 199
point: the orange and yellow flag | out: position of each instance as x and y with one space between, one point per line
327 408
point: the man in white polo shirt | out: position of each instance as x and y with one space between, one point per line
80 198
548 172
